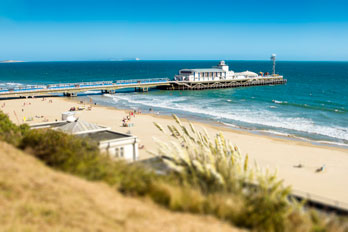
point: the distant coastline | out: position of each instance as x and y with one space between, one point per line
11 61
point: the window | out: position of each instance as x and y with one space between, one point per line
117 152
122 152
186 72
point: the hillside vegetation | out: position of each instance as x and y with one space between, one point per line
206 176
34 197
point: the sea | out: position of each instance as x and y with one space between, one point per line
312 106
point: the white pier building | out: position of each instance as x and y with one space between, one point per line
219 72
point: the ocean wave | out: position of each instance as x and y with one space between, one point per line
279 102
312 107
305 139
251 116
11 84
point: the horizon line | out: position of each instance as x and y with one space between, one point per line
131 60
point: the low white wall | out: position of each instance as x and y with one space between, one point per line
129 145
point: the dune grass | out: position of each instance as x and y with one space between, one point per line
207 176
10 132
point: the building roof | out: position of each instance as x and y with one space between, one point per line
205 70
78 126
49 124
222 62
247 73
104 135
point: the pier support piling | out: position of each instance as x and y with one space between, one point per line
109 91
221 84
71 94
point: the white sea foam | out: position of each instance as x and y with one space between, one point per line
242 114
293 136
279 102
333 143
13 84
277 133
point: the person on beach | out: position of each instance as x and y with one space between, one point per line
299 165
320 169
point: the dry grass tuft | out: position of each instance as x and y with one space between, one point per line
230 188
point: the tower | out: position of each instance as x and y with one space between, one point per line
273 58
223 66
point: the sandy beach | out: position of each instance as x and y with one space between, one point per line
269 152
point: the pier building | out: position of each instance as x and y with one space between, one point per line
216 73
219 72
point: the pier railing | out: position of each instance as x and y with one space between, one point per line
80 85
142 81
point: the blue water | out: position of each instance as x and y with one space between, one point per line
312 105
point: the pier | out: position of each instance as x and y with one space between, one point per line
139 85
218 84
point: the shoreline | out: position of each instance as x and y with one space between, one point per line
235 128
269 152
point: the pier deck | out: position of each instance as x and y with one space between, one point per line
218 84
71 89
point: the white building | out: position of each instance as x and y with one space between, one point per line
117 145
219 72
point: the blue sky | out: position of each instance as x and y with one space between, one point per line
35 30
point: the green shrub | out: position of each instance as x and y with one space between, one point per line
82 157
10 132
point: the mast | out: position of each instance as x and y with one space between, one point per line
273 58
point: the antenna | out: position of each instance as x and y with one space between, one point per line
273 58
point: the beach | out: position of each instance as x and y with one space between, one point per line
273 153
